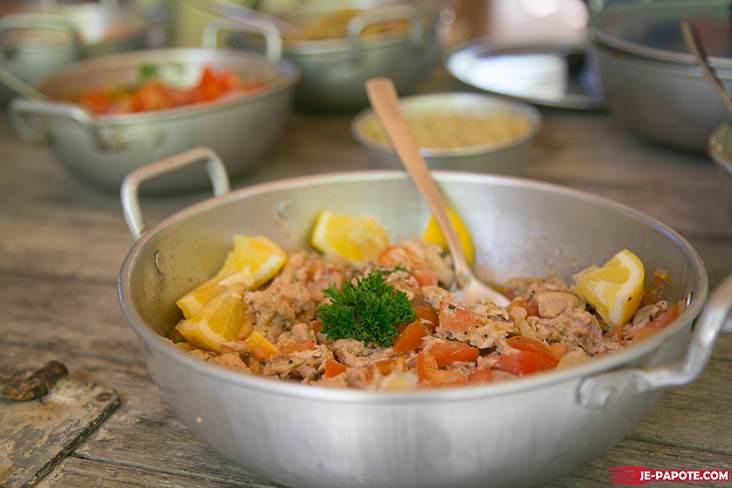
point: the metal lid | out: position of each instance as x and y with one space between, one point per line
652 30
555 75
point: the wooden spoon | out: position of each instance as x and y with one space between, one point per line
385 103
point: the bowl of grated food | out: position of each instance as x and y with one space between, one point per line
457 131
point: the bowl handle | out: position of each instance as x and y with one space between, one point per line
130 189
361 21
39 21
272 39
27 115
596 391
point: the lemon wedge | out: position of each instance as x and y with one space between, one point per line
434 234
220 319
615 289
258 256
252 262
191 302
357 239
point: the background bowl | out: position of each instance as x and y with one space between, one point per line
101 150
335 69
720 150
652 83
36 41
507 158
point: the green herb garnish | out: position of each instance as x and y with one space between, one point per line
368 311
147 71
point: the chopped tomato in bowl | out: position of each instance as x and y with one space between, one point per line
153 93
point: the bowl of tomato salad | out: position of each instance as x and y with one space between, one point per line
107 116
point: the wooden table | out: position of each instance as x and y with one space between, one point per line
61 245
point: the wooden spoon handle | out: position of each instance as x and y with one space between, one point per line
385 103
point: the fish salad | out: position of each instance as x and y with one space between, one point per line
390 321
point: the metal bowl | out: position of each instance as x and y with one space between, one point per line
506 158
522 432
720 150
652 83
103 149
36 41
334 70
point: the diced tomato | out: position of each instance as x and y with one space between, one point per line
430 375
449 352
481 374
410 338
315 325
96 102
209 87
533 356
384 366
458 319
639 334
532 308
333 368
400 256
656 324
152 94
428 316
650 296
666 317
531 345
425 277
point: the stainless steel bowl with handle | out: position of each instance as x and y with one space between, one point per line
334 69
651 82
514 433
102 149
36 41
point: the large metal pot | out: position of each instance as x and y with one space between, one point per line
36 41
652 83
514 433
103 149
334 70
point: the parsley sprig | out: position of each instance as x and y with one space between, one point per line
368 310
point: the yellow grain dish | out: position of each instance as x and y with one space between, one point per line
435 130
333 26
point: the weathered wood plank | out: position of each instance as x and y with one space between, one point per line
36 435
66 316
655 457
679 419
75 472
